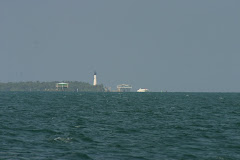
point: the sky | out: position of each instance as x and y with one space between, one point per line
179 46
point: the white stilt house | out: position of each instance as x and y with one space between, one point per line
124 88
61 86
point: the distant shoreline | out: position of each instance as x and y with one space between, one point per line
74 86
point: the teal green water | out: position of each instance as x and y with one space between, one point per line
102 126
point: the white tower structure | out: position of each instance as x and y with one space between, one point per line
95 79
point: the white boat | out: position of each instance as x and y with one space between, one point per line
143 90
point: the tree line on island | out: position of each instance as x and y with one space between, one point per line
74 86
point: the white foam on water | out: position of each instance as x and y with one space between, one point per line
66 140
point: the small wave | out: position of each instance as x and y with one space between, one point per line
87 139
61 139
82 156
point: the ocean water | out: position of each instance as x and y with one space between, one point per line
119 126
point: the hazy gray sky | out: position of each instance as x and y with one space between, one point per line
157 44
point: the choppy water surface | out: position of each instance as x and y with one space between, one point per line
102 126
